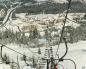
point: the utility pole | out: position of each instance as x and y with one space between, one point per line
1 50
47 63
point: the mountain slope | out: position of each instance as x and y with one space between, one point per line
53 8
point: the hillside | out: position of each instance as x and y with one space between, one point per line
53 8
49 7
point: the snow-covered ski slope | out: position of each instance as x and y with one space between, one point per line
76 52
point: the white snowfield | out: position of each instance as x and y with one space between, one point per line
76 52
4 66
57 1
63 1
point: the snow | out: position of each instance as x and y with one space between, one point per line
57 1
42 20
63 1
76 52
22 15
60 1
27 67
4 66
42 33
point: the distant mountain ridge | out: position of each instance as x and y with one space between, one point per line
53 8
58 1
77 6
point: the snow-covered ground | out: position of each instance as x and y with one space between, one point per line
57 1
76 52
42 20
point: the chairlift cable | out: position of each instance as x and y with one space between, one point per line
15 50
69 5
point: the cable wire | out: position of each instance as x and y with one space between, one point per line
15 50
69 4
61 59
